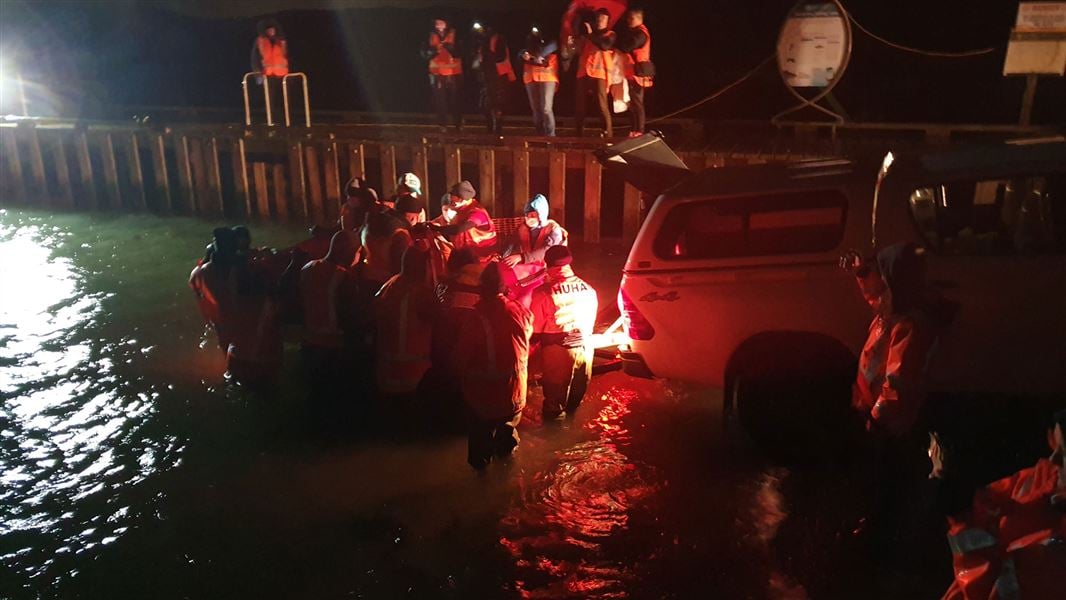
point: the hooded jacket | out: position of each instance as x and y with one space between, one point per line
532 243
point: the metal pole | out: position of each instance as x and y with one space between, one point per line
266 94
285 99
247 105
307 103
1026 118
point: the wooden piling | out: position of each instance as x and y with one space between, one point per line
240 177
356 161
314 181
62 169
199 177
387 157
453 166
213 175
87 197
298 179
136 176
107 161
630 213
486 160
185 184
520 172
331 165
420 166
162 200
281 198
262 200
14 165
40 185
593 179
557 186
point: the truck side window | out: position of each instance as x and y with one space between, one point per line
784 223
1025 215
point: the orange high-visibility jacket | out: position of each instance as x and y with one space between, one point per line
565 305
533 248
493 356
639 55
443 63
545 73
275 57
594 62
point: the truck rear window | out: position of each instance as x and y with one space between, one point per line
784 223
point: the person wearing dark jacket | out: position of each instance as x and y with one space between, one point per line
445 73
634 49
270 58
491 62
594 70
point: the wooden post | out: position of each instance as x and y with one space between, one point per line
162 200
356 161
199 176
387 156
520 171
315 184
281 198
107 160
213 175
420 166
630 213
136 176
593 177
14 165
85 170
298 179
59 158
487 179
1028 97
240 177
181 152
557 186
453 166
333 182
262 201
40 184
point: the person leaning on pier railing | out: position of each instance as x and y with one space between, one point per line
270 58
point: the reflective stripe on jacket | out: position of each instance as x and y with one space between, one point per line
595 63
639 55
545 73
564 309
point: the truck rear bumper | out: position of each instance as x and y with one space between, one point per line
633 364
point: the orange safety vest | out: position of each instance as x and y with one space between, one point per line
595 63
640 55
444 64
404 337
477 237
320 287
546 73
274 56
504 69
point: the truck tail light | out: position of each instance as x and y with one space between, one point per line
634 323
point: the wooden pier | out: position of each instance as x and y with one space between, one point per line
297 175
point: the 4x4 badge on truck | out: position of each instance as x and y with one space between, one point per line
655 297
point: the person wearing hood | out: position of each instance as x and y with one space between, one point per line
594 70
405 310
540 75
270 58
564 314
492 356
491 62
445 73
472 227
535 235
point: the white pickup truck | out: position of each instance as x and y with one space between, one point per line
733 280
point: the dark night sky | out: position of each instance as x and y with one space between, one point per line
362 54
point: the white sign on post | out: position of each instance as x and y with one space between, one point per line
812 47
1038 42
1041 16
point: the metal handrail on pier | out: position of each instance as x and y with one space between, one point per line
284 94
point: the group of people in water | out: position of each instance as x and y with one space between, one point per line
431 318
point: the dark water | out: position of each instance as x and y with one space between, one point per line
129 468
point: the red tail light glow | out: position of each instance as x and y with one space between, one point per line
634 323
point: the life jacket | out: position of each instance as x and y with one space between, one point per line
564 310
494 352
504 68
638 56
274 56
404 335
444 64
321 284
545 73
481 237
595 63
255 337
527 244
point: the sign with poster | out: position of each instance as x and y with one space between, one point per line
1038 42
813 48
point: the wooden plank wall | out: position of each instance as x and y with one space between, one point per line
221 173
